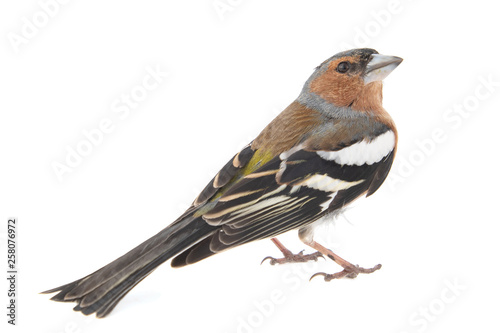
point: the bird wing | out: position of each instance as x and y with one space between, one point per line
291 190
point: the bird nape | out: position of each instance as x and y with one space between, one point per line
333 144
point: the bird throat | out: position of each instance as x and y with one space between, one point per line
369 98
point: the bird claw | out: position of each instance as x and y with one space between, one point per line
318 274
329 277
350 272
299 257
270 259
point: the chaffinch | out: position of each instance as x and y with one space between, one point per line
332 145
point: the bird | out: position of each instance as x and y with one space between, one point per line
333 144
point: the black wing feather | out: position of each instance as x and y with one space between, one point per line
243 215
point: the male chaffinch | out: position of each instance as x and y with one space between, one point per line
332 145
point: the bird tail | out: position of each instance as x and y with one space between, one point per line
101 291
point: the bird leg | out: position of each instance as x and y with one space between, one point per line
350 270
289 256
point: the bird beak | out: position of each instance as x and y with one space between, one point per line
380 66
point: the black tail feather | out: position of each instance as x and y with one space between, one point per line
102 290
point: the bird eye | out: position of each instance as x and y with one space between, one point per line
343 67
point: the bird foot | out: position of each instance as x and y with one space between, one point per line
348 272
290 257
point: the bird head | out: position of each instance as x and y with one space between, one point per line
350 79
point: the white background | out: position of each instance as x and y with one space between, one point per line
433 225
